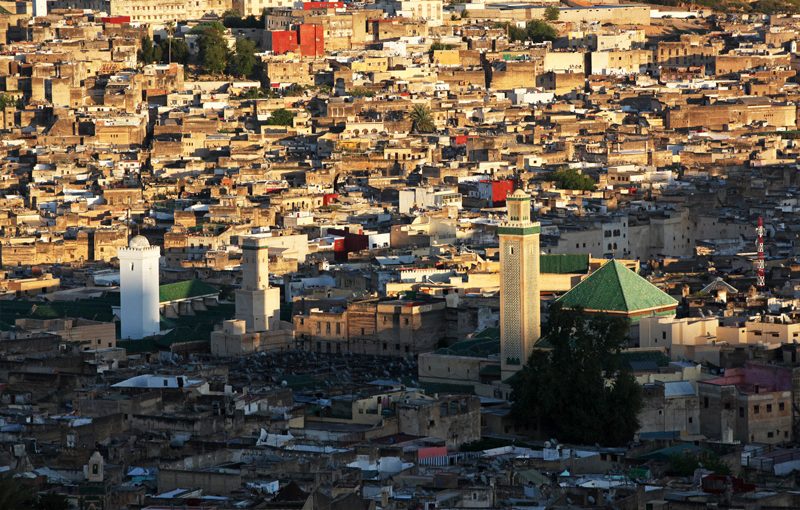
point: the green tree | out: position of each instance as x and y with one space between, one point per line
552 13
540 31
361 92
421 119
146 53
213 49
580 390
570 178
6 101
280 117
175 50
243 62
170 28
685 464
536 31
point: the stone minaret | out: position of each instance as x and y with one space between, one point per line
256 302
139 298
520 320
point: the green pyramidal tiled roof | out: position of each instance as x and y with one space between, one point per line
185 290
615 288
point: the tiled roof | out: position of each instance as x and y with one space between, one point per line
615 288
185 290
564 263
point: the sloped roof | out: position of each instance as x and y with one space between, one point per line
719 284
187 289
564 263
615 288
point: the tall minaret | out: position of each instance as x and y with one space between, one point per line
139 298
520 320
257 303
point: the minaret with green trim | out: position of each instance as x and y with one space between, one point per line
520 319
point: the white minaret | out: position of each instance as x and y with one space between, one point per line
139 299
256 302
520 321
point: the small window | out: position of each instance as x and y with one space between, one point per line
769 408
741 412
781 406
756 409
705 402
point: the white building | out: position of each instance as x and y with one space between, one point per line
139 298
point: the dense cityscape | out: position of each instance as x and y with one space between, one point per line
399 255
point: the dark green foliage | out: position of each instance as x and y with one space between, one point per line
244 60
535 31
180 51
147 54
569 178
685 464
361 92
213 50
580 391
280 117
6 101
421 119
232 19
551 13
441 46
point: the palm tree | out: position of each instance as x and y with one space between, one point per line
170 33
421 119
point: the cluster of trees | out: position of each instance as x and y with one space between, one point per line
581 390
233 19
167 51
214 56
280 117
570 178
536 31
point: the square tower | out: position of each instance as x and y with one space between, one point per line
520 319
138 281
257 304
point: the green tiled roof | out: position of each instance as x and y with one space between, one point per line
564 264
477 347
185 290
615 288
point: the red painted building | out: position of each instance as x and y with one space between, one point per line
495 192
308 39
312 40
282 41
115 20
